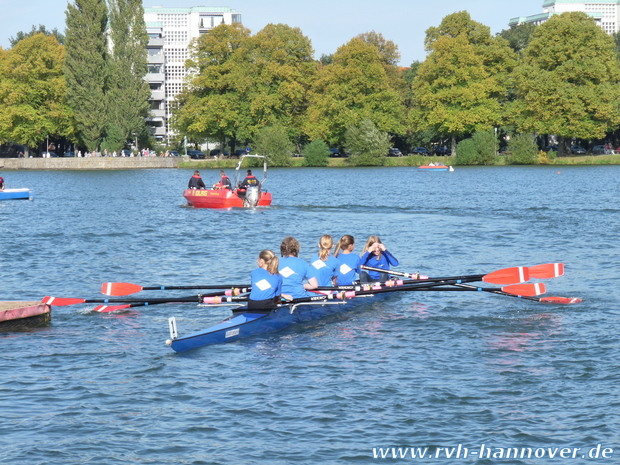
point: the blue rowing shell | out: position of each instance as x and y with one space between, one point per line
247 324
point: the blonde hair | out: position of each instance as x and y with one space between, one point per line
289 247
371 240
270 259
326 243
344 242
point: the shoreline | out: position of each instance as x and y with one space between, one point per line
184 162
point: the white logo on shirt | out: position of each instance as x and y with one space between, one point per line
287 272
319 264
344 269
263 285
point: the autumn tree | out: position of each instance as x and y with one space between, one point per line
462 86
568 82
354 88
127 93
32 91
86 69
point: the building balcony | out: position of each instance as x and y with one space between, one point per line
158 94
155 59
158 131
158 113
155 77
156 42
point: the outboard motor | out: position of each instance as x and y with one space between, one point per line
251 196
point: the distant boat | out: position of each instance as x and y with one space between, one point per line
16 194
435 168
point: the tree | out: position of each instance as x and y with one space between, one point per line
480 149
215 104
354 88
275 143
283 68
86 69
462 86
568 83
127 91
40 30
32 91
519 36
523 150
367 144
316 153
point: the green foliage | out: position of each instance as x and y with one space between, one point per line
86 69
519 36
523 150
40 30
367 144
478 150
462 85
32 91
355 87
127 92
316 153
568 83
275 143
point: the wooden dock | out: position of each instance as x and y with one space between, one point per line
19 315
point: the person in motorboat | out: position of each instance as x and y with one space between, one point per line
297 278
323 265
196 182
348 262
249 181
224 182
266 282
1 183
375 254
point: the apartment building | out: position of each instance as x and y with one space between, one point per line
170 31
606 13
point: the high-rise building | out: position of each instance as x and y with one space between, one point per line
171 30
606 13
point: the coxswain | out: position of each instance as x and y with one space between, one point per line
224 182
375 254
196 182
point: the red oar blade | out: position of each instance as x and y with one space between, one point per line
528 289
110 308
59 301
546 271
517 274
120 288
561 300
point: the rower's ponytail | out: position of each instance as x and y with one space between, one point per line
344 242
326 243
271 260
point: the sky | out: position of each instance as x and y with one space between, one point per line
328 24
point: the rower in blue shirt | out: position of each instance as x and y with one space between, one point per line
266 283
295 271
349 263
376 255
323 265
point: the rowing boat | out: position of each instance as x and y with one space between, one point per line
245 323
16 194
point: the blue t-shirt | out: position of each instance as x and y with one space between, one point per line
384 262
265 285
348 267
323 271
294 270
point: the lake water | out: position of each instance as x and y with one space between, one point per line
426 369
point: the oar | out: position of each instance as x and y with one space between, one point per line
63 301
516 274
117 289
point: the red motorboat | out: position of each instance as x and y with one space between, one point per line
226 198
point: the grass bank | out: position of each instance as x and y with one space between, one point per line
413 160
